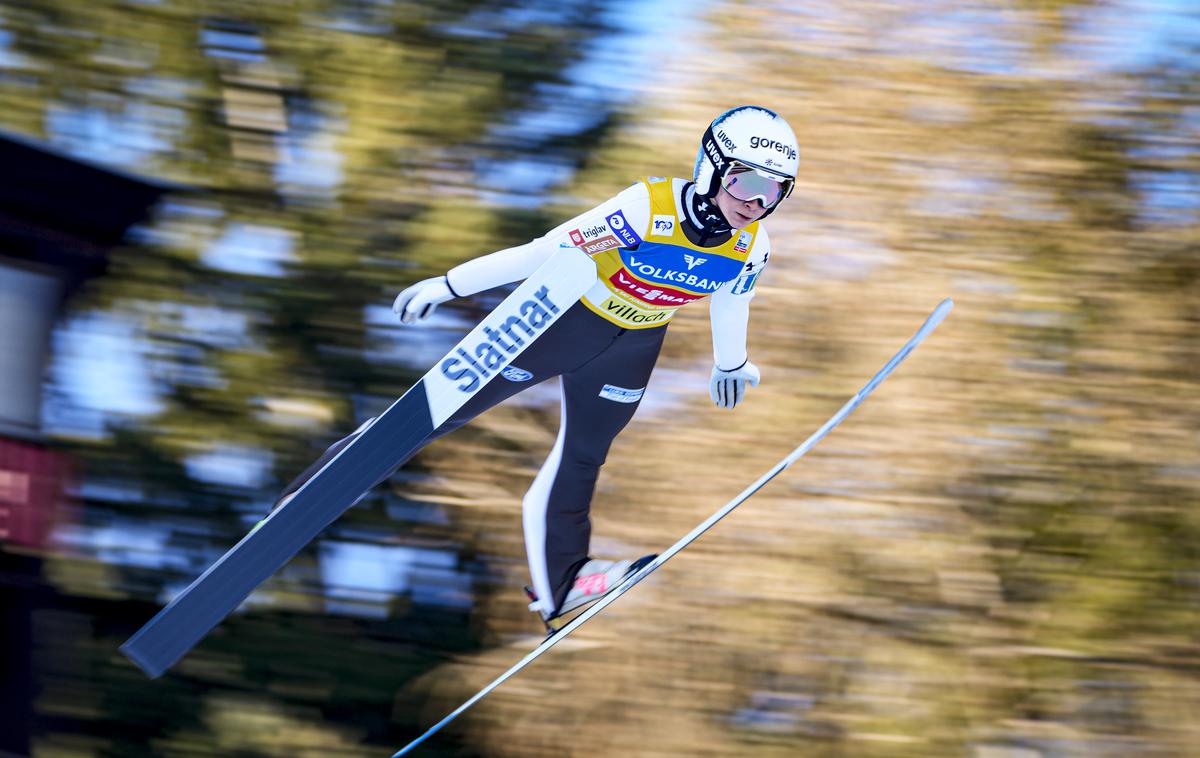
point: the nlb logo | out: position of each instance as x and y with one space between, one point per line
620 227
770 144
474 364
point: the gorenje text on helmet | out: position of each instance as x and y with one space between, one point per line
771 144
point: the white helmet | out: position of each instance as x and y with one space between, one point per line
752 136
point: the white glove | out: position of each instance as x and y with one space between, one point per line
419 301
727 388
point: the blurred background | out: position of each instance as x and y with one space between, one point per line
206 208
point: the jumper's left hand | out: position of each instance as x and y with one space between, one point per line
727 388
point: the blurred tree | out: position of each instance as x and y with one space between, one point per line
337 151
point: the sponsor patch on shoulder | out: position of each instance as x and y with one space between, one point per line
662 226
607 242
743 243
589 234
620 227
621 394
745 283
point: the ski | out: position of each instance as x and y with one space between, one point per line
399 431
926 329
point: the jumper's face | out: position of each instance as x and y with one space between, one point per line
739 213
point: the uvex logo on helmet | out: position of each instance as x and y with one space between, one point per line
714 154
770 144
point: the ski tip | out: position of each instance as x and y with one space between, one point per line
939 313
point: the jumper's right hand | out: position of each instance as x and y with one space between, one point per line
419 301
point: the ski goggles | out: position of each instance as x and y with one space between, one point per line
747 183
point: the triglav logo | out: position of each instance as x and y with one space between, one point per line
476 363
693 261
579 236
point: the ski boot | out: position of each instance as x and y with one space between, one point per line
595 579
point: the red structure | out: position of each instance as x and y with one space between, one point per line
59 218
32 483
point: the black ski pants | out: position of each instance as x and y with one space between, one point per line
605 369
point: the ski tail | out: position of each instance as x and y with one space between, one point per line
926 329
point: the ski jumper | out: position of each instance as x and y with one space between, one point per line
604 347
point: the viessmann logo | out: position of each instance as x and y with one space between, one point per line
506 334
649 293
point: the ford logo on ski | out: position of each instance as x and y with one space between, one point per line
514 374
471 365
